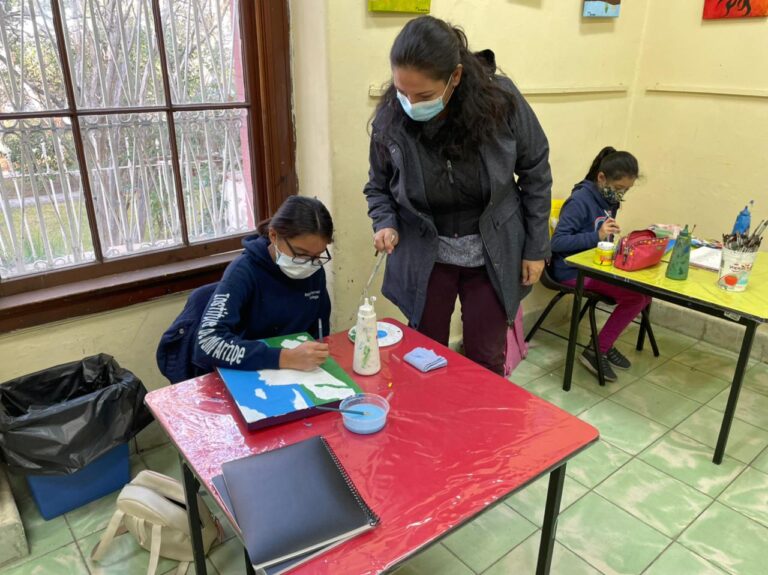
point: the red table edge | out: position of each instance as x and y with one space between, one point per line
211 489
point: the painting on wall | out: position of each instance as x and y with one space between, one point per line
714 9
413 6
602 8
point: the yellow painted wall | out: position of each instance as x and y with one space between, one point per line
129 334
704 155
544 46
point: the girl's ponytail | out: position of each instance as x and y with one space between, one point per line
594 169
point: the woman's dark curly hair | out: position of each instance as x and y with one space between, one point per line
478 104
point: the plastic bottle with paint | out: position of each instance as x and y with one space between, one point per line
743 220
366 360
679 261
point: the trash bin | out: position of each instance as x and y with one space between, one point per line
66 428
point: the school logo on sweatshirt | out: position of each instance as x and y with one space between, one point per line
212 344
312 295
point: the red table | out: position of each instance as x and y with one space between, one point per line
457 441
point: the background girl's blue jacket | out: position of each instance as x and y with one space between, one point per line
581 217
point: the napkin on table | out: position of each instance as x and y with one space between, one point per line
425 359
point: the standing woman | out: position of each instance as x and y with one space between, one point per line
458 191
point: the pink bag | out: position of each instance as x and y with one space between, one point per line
639 250
517 349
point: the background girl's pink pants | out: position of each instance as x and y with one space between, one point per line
628 304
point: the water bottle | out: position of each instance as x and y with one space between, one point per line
366 360
677 269
743 221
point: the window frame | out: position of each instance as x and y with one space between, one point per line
109 284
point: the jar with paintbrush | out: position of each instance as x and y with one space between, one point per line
739 254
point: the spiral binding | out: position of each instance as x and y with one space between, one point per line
373 519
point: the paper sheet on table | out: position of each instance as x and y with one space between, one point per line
707 258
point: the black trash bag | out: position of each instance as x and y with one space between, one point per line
58 420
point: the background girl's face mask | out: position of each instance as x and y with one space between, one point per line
613 195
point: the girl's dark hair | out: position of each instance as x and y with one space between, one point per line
614 164
297 216
478 104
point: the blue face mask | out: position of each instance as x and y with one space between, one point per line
423 111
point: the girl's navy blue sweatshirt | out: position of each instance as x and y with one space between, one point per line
255 300
581 216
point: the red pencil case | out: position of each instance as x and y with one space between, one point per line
639 250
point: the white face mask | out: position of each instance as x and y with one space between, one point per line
292 269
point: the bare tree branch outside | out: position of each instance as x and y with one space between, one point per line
124 116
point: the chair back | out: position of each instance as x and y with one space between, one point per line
554 214
546 278
177 344
551 283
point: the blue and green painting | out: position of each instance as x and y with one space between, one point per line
270 396
602 8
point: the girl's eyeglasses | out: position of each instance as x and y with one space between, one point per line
317 261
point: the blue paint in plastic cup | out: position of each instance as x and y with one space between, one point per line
375 407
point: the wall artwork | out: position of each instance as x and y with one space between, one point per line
413 6
602 8
714 9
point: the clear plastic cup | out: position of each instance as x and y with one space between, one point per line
735 267
375 410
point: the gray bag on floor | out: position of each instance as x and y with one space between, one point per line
152 508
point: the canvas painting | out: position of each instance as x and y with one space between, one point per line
714 9
413 6
273 396
602 8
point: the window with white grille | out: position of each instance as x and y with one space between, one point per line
124 130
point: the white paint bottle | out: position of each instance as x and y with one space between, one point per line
366 359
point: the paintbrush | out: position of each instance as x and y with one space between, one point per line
380 257
350 411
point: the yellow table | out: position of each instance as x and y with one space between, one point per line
699 292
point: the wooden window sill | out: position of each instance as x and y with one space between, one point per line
109 292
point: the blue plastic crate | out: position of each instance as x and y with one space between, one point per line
57 494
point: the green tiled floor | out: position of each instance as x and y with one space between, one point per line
609 538
484 541
654 497
646 499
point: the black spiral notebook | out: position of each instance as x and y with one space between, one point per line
293 503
